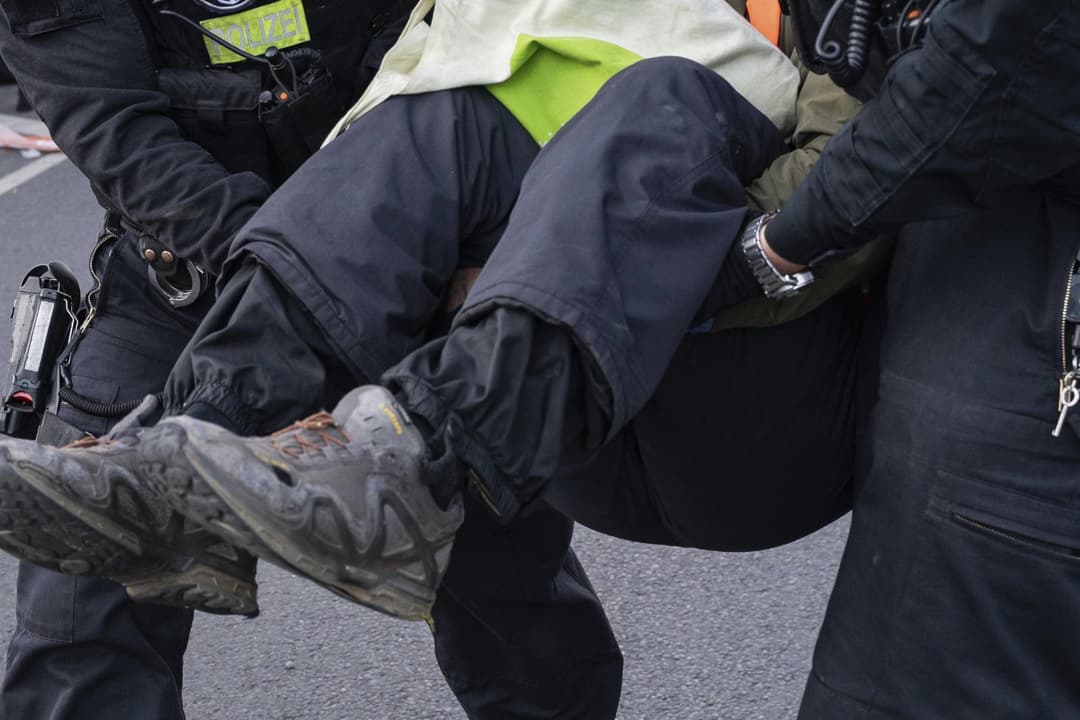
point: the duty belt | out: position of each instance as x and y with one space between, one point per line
180 281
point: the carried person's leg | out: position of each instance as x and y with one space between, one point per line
380 218
349 260
747 443
622 227
566 334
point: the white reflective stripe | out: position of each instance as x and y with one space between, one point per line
24 125
20 327
30 171
38 336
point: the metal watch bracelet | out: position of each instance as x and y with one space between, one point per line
774 283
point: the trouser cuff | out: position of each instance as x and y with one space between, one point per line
218 404
450 446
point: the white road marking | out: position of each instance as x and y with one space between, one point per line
25 125
30 171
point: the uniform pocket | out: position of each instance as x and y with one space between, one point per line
988 619
46 603
1046 528
1028 541
34 17
220 109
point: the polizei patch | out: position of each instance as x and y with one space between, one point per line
280 24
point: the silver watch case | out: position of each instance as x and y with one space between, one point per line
774 283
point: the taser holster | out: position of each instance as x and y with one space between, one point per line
43 323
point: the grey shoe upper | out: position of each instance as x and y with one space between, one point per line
83 509
335 497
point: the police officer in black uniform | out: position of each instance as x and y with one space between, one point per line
958 591
182 137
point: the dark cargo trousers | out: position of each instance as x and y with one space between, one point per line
620 228
958 591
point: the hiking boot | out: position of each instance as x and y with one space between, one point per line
81 510
336 498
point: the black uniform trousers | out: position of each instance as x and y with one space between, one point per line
958 591
606 260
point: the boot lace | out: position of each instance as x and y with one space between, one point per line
85 442
311 435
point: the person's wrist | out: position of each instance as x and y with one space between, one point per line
784 266
775 280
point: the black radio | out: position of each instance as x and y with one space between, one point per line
855 41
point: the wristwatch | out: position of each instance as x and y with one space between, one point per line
774 283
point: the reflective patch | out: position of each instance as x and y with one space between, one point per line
280 24
221 6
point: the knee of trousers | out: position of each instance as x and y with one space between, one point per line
656 85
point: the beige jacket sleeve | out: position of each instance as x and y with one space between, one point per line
822 110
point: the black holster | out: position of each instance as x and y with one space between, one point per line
43 322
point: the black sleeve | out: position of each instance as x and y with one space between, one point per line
989 102
86 68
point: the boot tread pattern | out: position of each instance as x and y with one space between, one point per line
376 555
58 516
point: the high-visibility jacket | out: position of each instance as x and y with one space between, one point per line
544 59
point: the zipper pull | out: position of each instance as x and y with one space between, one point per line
1068 396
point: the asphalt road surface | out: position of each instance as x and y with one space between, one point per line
706 636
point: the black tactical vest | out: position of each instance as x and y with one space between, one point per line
249 116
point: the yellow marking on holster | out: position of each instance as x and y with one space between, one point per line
393 418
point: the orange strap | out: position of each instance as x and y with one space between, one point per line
765 16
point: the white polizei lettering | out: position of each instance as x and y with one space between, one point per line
275 29
235 35
299 19
249 26
213 48
255 33
288 20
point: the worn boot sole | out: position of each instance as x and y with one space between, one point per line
45 521
200 488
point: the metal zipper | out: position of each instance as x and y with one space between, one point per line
1068 392
95 287
1059 550
478 488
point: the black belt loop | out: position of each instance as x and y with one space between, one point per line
113 223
